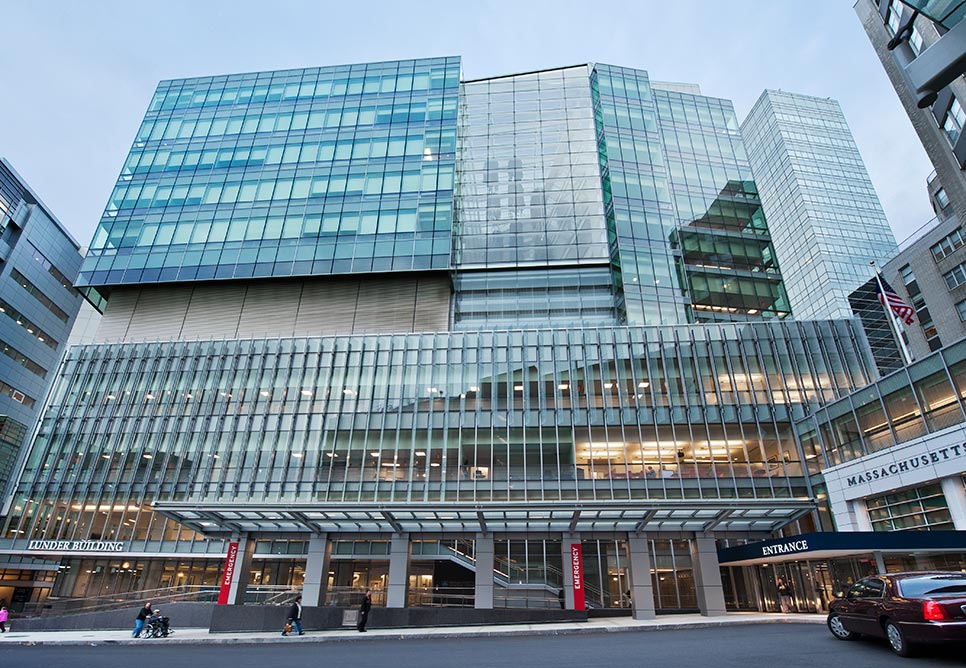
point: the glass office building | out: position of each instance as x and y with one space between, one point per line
379 327
39 261
826 220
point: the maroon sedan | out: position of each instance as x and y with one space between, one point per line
907 609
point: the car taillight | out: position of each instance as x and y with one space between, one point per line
933 612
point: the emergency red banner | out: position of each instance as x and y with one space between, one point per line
229 573
577 573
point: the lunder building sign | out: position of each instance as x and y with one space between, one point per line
70 546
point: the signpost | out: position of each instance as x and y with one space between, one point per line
577 573
229 573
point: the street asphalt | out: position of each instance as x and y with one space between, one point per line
790 645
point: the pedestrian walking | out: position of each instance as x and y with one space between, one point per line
364 611
784 595
295 617
3 619
143 614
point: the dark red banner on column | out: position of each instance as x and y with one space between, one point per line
229 573
577 572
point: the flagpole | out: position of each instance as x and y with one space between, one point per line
890 316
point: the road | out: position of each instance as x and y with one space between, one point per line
746 646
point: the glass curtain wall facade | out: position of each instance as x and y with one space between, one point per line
615 368
921 399
329 170
823 211
697 414
689 242
38 303
530 236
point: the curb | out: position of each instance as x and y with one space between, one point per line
387 634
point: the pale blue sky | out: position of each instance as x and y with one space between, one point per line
77 76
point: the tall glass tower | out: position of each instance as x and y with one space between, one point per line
825 218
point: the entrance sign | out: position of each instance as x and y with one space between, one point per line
229 573
75 546
577 573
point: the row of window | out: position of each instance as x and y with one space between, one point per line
167 128
948 244
16 395
39 295
404 82
427 145
955 276
15 315
918 508
272 188
54 271
955 118
22 359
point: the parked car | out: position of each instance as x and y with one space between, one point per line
907 609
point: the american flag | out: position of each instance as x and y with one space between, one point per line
895 303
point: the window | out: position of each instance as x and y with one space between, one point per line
942 198
961 309
15 315
16 395
894 16
955 277
917 508
954 121
907 275
22 359
915 41
948 244
39 295
868 588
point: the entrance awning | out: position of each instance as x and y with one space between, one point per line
746 515
829 544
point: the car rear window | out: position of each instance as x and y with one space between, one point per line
933 585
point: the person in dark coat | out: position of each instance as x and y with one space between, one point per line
364 611
143 614
295 617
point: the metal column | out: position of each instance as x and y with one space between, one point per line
707 576
642 589
316 571
398 571
484 571
955 493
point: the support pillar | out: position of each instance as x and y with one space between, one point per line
642 589
316 571
707 576
860 512
955 493
484 571
241 573
398 571
565 559
879 562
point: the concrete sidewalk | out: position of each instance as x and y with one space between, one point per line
605 625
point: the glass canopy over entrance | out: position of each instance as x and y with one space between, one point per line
764 515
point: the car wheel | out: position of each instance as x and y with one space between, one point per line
897 639
838 629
